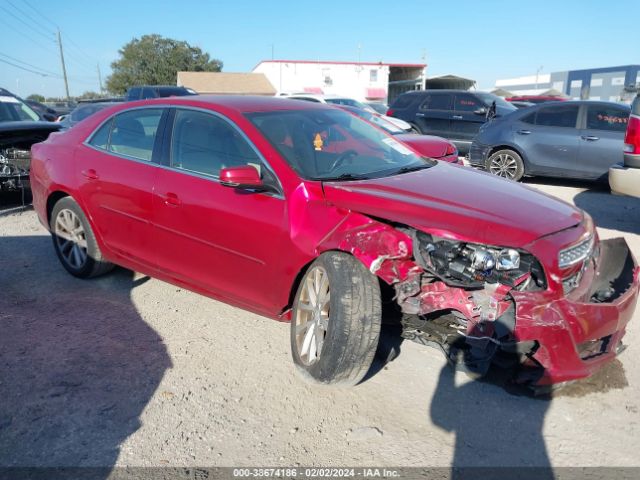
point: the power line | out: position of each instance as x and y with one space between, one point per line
35 22
30 65
27 69
25 23
40 13
35 42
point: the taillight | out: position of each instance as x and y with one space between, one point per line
632 137
390 112
451 150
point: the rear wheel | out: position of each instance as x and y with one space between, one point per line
74 241
336 320
506 164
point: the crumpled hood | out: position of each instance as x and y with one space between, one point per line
458 202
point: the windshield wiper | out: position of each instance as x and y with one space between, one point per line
413 168
344 176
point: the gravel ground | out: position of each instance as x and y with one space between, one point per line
127 370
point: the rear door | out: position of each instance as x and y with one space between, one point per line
548 139
434 114
116 176
469 114
601 138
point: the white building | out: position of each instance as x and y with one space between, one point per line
358 80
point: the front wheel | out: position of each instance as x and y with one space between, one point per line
506 164
335 327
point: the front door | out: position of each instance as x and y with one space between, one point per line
219 239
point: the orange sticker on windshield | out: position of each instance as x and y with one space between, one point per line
317 142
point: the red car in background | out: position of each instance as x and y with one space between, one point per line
535 98
430 146
305 213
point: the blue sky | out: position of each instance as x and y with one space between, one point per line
481 40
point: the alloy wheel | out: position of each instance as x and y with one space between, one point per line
504 165
312 315
71 239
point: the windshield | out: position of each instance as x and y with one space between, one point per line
327 144
12 110
488 99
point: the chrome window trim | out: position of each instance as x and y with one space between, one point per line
243 135
279 195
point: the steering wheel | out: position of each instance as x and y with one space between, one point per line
348 155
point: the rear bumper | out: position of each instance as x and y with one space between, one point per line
566 339
624 180
478 154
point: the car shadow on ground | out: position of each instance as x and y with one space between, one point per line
73 382
615 212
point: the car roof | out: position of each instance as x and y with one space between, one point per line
239 103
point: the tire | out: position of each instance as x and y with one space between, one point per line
506 164
415 129
344 331
78 251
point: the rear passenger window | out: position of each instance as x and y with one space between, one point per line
403 101
134 133
100 138
558 116
602 117
437 102
467 103
204 144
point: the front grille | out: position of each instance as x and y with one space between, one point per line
576 253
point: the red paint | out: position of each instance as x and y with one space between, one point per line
247 248
431 146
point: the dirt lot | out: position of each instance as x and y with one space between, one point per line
127 370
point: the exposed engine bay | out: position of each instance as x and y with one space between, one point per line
14 168
16 139
461 302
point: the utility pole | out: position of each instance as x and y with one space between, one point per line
99 77
64 68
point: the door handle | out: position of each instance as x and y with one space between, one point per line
457 117
590 138
91 174
172 200
420 115
523 132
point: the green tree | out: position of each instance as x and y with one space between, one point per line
36 97
155 60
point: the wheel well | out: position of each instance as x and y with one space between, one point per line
506 147
52 200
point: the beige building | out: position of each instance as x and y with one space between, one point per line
222 83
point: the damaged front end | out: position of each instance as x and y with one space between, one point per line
555 310
16 139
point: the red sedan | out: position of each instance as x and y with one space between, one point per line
308 214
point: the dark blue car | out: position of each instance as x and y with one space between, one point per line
578 139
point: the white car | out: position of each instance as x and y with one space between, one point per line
624 179
349 102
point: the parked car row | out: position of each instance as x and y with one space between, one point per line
567 139
207 193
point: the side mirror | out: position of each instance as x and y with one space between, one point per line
244 177
480 111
